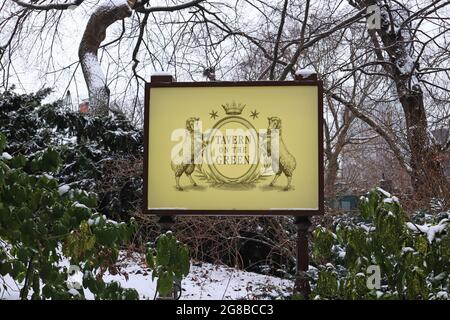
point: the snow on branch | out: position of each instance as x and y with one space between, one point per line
169 8
305 73
97 79
50 6
108 12
110 4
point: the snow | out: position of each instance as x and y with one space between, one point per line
205 281
391 200
48 176
93 222
73 292
63 189
79 205
405 65
367 228
429 229
442 295
119 132
6 156
407 249
304 73
161 73
384 192
98 79
115 3
71 140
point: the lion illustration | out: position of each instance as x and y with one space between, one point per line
187 168
287 161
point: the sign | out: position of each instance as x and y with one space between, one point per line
233 148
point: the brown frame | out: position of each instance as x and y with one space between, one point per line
162 81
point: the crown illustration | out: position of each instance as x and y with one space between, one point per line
233 108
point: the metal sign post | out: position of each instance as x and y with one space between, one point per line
301 280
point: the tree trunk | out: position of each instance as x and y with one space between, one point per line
331 173
428 179
333 152
416 127
427 175
95 32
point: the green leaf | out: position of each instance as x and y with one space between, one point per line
165 284
50 160
18 161
2 142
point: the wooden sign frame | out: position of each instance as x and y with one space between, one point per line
166 81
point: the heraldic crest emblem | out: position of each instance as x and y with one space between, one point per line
233 154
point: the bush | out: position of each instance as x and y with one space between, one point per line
88 147
413 259
169 262
43 223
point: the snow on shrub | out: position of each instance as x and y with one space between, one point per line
41 227
413 255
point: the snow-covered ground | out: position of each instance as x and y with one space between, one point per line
205 281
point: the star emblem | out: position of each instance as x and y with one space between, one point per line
213 114
254 114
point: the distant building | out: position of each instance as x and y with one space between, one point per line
347 197
67 102
84 107
348 203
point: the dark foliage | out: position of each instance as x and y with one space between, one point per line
88 146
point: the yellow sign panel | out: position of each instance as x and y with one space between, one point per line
250 149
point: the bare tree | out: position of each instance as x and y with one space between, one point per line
401 68
399 55
104 14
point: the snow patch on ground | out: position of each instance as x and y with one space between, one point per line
205 281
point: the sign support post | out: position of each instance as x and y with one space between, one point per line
301 279
166 223
303 224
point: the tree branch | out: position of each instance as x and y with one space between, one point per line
392 144
170 8
50 6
